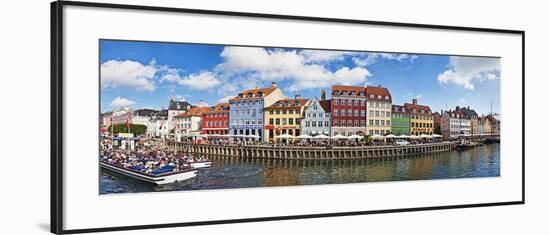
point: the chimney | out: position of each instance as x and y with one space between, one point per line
415 101
297 96
379 85
273 84
457 108
323 95
468 107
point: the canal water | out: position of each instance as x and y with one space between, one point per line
230 172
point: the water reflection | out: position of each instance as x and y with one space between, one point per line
227 172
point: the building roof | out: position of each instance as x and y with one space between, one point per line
409 108
466 111
348 89
179 105
400 109
145 112
288 103
195 111
255 93
326 105
220 108
378 91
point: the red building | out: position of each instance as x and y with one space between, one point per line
348 110
217 120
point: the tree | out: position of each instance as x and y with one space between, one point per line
367 139
136 129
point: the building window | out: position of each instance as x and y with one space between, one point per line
277 121
290 121
336 112
335 123
307 123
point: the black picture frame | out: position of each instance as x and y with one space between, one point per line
56 114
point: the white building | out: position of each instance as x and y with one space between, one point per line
189 124
176 108
451 124
316 118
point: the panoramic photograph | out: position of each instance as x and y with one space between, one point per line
191 116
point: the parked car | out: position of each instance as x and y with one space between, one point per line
401 142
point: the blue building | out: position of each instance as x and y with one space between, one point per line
247 110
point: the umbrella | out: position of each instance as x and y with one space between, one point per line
404 136
425 136
304 136
414 137
354 136
285 136
252 136
321 136
391 136
339 137
377 136
437 136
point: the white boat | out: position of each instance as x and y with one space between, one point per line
165 178
200 164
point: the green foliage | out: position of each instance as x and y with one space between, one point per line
137 129
367 139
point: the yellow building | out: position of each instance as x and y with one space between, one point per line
422 121
284 118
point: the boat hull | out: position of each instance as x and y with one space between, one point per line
201 164
160 179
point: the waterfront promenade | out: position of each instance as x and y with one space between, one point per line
309 153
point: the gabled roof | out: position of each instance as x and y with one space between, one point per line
378 91
288 103
348 89
468 112
255 93
220 108
195 111
399 109
409 107
178 105
326 105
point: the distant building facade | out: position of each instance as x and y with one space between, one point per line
421 118
189 124
317 118
216 121
176 108
348 110
247 110
284 117
378 110
400 121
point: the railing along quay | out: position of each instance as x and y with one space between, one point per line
310 153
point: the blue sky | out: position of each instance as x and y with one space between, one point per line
147 74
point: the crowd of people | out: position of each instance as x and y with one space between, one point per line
150 161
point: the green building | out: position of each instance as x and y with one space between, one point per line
400 121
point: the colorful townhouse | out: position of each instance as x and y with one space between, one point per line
400 121
284 117
348 110
378 110
471 122
246 116
216 121
316 118
451 124
421 118
188 125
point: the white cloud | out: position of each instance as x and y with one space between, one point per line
462 100
303 68
324 56
200 81
224 99
463 71
128 74
366 59
122 102
202 104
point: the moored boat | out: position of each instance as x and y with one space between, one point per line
161 178
200 164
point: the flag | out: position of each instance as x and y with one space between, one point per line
161 123
128 120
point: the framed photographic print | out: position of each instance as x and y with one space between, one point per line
165 117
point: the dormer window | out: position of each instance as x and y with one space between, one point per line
260 94
371 96
414 110
387 97
379 97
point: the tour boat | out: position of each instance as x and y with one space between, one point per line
164 178
200 164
